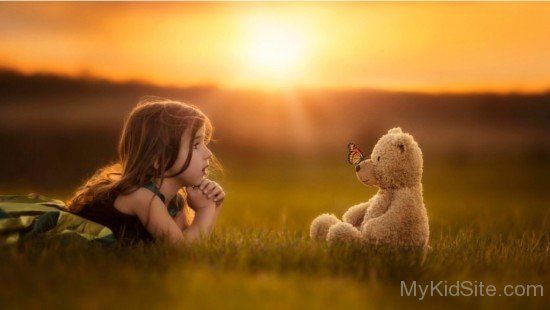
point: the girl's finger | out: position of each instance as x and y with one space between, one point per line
210 187
215 192
220 196
204 183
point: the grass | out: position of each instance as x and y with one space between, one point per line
489 223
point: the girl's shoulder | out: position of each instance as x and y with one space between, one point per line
134 203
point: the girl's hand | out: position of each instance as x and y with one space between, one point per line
197 200
213 191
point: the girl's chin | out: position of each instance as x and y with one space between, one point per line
200 179
194 182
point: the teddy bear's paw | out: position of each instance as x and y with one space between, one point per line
343 233
355 214
320 226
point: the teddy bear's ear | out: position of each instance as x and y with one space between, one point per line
395 130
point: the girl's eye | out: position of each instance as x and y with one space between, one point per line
378 159
196 145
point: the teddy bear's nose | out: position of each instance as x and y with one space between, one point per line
357 168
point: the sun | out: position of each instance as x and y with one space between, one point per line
275 49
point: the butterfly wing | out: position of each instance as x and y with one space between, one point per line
355 155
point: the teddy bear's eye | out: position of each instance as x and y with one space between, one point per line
378 158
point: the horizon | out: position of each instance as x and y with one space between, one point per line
96 78
395 47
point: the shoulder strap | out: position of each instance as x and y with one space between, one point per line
152 187
173 207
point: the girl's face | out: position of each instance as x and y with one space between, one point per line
200 160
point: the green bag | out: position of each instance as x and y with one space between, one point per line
23 217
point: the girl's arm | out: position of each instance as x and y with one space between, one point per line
202 223
158 222
206 200
181 219
162 226
181 216
207 193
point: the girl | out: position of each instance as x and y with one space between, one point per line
158 188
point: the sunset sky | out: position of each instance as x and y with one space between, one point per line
429 47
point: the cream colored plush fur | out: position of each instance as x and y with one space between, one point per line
396 214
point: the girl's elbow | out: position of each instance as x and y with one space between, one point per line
193 234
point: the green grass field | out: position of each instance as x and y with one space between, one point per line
489 223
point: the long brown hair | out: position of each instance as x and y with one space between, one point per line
147 149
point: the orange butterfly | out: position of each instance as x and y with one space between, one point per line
355 155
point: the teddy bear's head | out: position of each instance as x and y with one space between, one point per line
396 161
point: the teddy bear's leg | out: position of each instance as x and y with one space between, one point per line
343 233
320 225
383 230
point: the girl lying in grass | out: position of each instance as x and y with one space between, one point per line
158 187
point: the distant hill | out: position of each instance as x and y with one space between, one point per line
45 117
304 119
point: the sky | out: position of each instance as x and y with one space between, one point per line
430 47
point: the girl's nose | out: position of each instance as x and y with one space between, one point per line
208 153
357 168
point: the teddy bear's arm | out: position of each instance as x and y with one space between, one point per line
398 226
382 229
356 214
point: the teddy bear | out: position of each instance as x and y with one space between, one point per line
396 214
